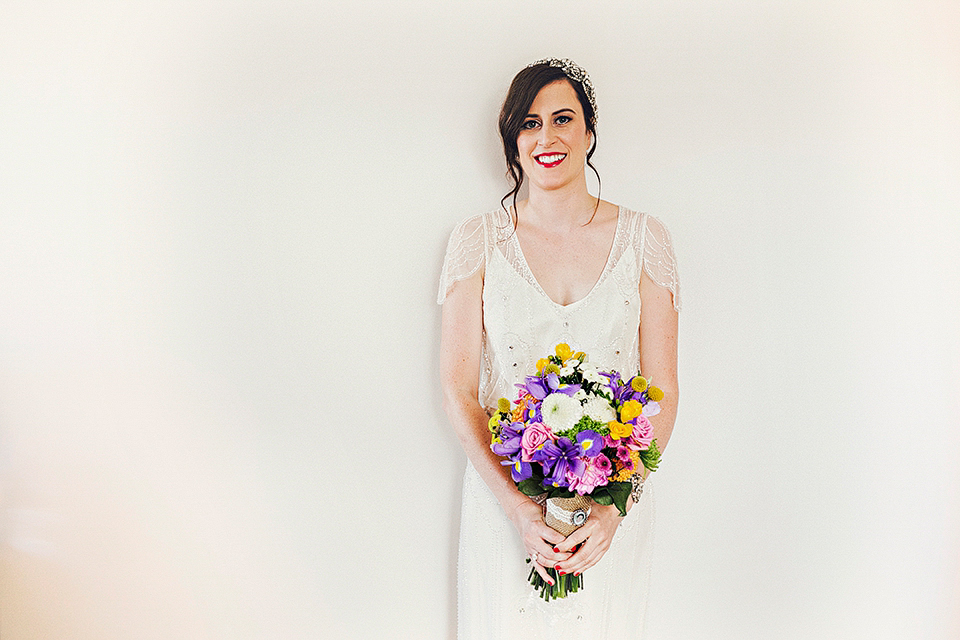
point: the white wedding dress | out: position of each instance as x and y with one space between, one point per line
520 325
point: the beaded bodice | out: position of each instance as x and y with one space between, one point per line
521 323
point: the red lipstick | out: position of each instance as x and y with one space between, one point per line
548 165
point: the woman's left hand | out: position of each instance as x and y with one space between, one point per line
593 538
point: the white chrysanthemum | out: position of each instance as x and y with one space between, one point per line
580 394
566 371
560 411
593 375
599 409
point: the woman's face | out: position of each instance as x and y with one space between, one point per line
553 141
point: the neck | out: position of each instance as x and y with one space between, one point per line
568 206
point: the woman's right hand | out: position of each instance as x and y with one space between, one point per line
538 539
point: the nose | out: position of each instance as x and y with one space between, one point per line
547 135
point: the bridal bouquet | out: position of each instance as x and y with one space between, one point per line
576 431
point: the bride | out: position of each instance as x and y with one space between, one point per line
558 266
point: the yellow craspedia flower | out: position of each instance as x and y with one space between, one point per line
551 368
494 423
503 405
630 410
638 384
564 352
619 430
655 394
541 363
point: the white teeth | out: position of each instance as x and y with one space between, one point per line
550 159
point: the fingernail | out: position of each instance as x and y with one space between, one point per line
556 550
557 567
576 574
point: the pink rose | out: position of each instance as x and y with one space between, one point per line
534 437
593 476
642 434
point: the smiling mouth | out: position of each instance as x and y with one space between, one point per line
550 159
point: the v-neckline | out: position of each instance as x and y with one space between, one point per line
603 273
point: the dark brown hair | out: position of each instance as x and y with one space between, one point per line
523 91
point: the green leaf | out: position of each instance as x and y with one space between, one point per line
651 457
602 498
530 487
620 492
560 492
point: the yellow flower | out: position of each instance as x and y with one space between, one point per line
630 410
503 405
580 355
551 368
541 363
655 394
494 423
638 384
564 352
619 430
625 474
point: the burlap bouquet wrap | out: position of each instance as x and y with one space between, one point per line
566 515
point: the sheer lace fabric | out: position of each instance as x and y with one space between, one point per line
521 324
474 236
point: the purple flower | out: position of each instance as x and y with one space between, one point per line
590 443
535 386
553 382
510 438
540 388
614 380
557 459
519 470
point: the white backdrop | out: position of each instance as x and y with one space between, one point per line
221 227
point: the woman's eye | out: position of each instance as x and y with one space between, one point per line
563 119
530 124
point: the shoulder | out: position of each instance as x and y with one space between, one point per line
468 248
644 231
479 225
654 231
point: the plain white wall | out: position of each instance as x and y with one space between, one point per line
221 227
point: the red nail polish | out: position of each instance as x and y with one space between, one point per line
556 550
557 567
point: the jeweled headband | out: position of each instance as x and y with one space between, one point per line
575 72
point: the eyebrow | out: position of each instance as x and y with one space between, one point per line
557 112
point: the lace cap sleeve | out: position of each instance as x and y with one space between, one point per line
465 254
658 259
